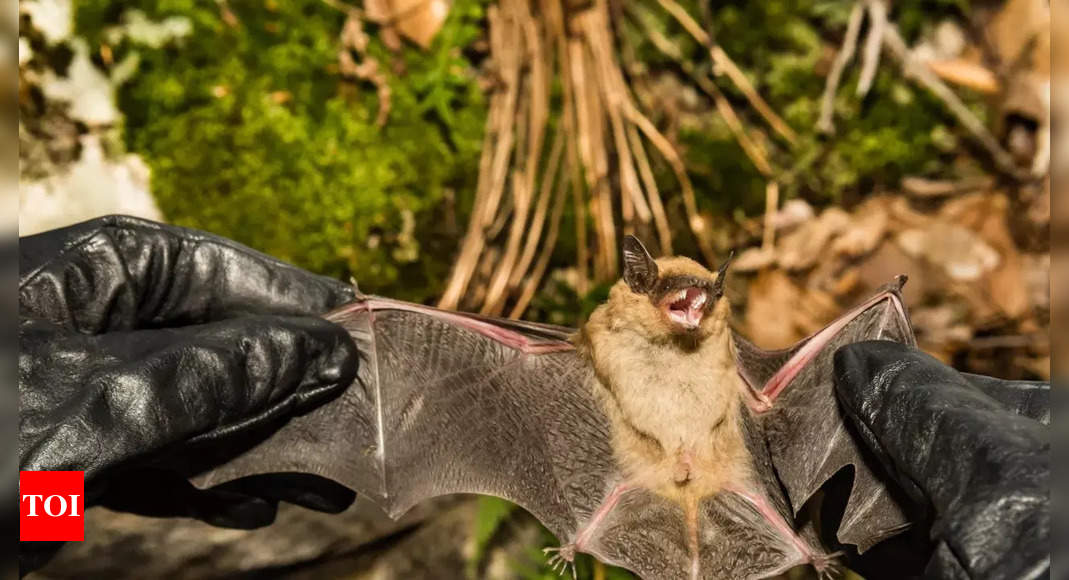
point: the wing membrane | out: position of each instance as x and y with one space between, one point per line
808 437
445 405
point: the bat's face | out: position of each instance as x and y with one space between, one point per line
684 300
674 296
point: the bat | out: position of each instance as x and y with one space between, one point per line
654 437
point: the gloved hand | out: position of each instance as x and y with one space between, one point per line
142 345
971 451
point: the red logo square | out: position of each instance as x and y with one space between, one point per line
51 506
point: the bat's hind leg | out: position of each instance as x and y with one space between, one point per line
825 565
564 556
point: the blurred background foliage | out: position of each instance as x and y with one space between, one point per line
895 131
251 131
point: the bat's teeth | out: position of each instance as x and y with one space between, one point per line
699 301
682 295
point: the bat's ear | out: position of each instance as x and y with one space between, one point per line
722 272
640 271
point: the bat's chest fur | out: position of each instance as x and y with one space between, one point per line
675 413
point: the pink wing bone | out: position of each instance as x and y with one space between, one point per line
805 552
509 338
762 401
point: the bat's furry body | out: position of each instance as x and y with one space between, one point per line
673 395
674 400
655 438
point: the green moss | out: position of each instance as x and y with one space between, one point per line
251 133
783 47
310 178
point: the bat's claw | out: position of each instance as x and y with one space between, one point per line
827 566
760 402
563 558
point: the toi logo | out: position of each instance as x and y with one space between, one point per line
51 506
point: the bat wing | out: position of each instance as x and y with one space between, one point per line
449 403
806 434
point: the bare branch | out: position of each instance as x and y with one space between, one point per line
695 220
771 205
870 60
753 149
826 123
923 75
722 62
535 279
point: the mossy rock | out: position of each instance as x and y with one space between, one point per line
252 133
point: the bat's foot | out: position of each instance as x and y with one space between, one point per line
826 565
563 558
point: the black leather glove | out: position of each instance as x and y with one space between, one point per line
971 451
142 345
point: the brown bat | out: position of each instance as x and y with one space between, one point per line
655 437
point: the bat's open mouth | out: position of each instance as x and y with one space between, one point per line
686 307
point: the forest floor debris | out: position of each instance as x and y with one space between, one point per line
977 298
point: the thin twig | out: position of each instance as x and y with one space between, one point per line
549 177
530 132
572 170
495 292
615 91
722 62
695 220
494 164
752 148
589 109
535 279
354 38
826 123
870 58
582 285
928 188
660 218
539 93
771 205
923 75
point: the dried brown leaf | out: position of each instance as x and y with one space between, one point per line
801 249
793 213
957 251
888 261
967 74
418 20
770 295
753 259
847 283
1008 287
814 310
864 232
